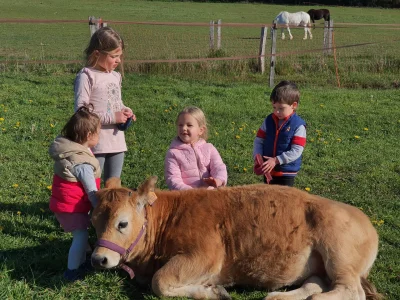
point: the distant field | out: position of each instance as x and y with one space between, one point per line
375 65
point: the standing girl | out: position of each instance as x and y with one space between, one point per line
191 162
76 179
99 85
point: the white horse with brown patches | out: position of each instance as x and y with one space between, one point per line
195 243
301 18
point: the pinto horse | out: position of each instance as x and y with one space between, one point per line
300 18
318 14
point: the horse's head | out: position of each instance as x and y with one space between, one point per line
119 219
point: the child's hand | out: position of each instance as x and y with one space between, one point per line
215 182
120 117
269 164
128 112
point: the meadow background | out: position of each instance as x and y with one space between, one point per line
351 154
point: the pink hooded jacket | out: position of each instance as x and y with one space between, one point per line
186 165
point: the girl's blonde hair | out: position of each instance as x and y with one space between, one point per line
83 122
198 114
104 40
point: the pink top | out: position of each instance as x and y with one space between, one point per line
186 165
103 90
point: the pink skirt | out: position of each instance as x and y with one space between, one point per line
73 221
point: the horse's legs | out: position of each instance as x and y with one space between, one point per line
282 33
288 29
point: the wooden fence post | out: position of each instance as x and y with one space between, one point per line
330 28
95 24
211 35
326 27
219 34
273 58
263 39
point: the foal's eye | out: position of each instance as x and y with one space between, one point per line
122 225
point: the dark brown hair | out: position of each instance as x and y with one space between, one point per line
285 92
83 122
104 40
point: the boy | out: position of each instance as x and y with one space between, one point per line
281 139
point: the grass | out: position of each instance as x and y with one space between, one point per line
351 156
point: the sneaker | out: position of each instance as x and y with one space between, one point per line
74 275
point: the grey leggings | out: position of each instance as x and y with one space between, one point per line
111 164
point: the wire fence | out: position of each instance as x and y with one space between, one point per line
359 47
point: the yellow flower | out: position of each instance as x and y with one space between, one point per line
18 124
244 169
49 187
216 133
241 129
325 142
233 122
365 129
237 137
18 213
235 167
1 119
311 140
307 189
30 101
166 110
356 137
15 185
254 132
321 105
51 125
339 140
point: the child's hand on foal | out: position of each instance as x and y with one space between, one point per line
211 181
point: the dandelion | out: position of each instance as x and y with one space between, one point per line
321 105
4 129
17 124
244 170
52 125
30 101
339 140
325 142
166 110
241 129
311 140
49 187
15 185
233 122
365 129
356 137
307 189
216 133
18 213
237 137
254 132
1 119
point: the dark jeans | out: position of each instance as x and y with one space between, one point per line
282 180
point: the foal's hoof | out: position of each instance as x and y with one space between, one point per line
221 293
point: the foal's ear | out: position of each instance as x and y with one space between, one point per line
146 191
113 183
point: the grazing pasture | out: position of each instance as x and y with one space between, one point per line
351 153
351 156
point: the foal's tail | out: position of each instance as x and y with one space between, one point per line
370 290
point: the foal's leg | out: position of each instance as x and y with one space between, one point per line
192 277
313 285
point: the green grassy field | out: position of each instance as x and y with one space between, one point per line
351 156
376 65
351 153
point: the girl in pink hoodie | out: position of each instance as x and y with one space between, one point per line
191 162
